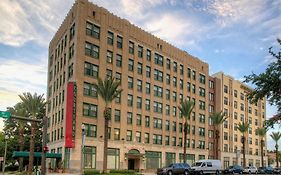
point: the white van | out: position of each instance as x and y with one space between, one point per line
206 167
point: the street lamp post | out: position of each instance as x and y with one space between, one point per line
83 127
44 144
5 154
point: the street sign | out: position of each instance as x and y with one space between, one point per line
5 114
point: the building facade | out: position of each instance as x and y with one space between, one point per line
231 98
146 128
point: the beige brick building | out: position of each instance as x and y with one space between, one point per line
232 100
146 128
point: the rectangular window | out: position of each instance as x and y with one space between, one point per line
139 102
138 136
131 65
148 71
89 90
119 60
90 130
139 85
117 115
175 66
140 51
109 57
89 157
110 38
129 135
140 68
93 30
168 79
181 69
158 59
157 123
130 100
168 63
148 55
147 88
153 159
157 107
147 121
138 120
157 139
202 78
116 134
147 104
158 91
119 42
131 47
146 137
90 110
72 32
92 50
130 82
129 118
158 75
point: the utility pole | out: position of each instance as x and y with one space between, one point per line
82 147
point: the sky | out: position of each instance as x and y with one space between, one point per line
232 36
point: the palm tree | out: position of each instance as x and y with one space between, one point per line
33 104
185 108
108 90
262 133
19 110
217 119
243 128
276 137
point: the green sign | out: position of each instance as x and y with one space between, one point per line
5 114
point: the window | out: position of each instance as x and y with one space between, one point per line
188 72
201 118
139 68
181 69
174 96
147 88
129 118
148 71
116 134
131 65
139 102
72 31
129 135
118 98
225 101
235 93
168 64
242 96
201 131
157 107
148 55
109 57
117 115
157 139
119 42
211 96
70 71
201 144
130 82
138 120
130 100
181 84
158 59
158 75
90 90
211 84
188 86
225 89
174 141
139 85
194 75
71 51
93 30
108 73
193 89
167 140
175 81
147 104
167 94
89 157
157 123
146 137
241 106
168 79
174 126
201 92
175 66
202 78
91 50
201 105
119 60
110 37
167 125
90 110
174 112
158 91
90 130
140 51
147 121
138 136
131 47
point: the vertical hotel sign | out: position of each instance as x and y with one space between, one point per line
70 122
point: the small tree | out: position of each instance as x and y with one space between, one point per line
276 137
186 108
108 90
243 128
217 120
262 133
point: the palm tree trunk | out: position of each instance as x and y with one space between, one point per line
244 152
262 163
106 120
277 158
184 145
21 142
217 144
31 150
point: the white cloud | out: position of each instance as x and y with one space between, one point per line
17 77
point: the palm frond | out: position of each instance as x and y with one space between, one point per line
186 108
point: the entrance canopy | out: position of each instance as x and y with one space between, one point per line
36 154
133 152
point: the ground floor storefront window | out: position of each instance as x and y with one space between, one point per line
190 158
225 162
153 159
170 158
113 158
89 157
66 157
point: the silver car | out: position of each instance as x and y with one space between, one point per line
250 170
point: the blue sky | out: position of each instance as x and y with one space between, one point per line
232 36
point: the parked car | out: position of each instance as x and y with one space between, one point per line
174 168
233 169
277 170
206 167
250 170
265 170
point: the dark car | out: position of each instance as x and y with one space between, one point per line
233 169
265 170
277 170
174 168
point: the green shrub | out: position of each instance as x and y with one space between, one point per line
122 171
91 172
